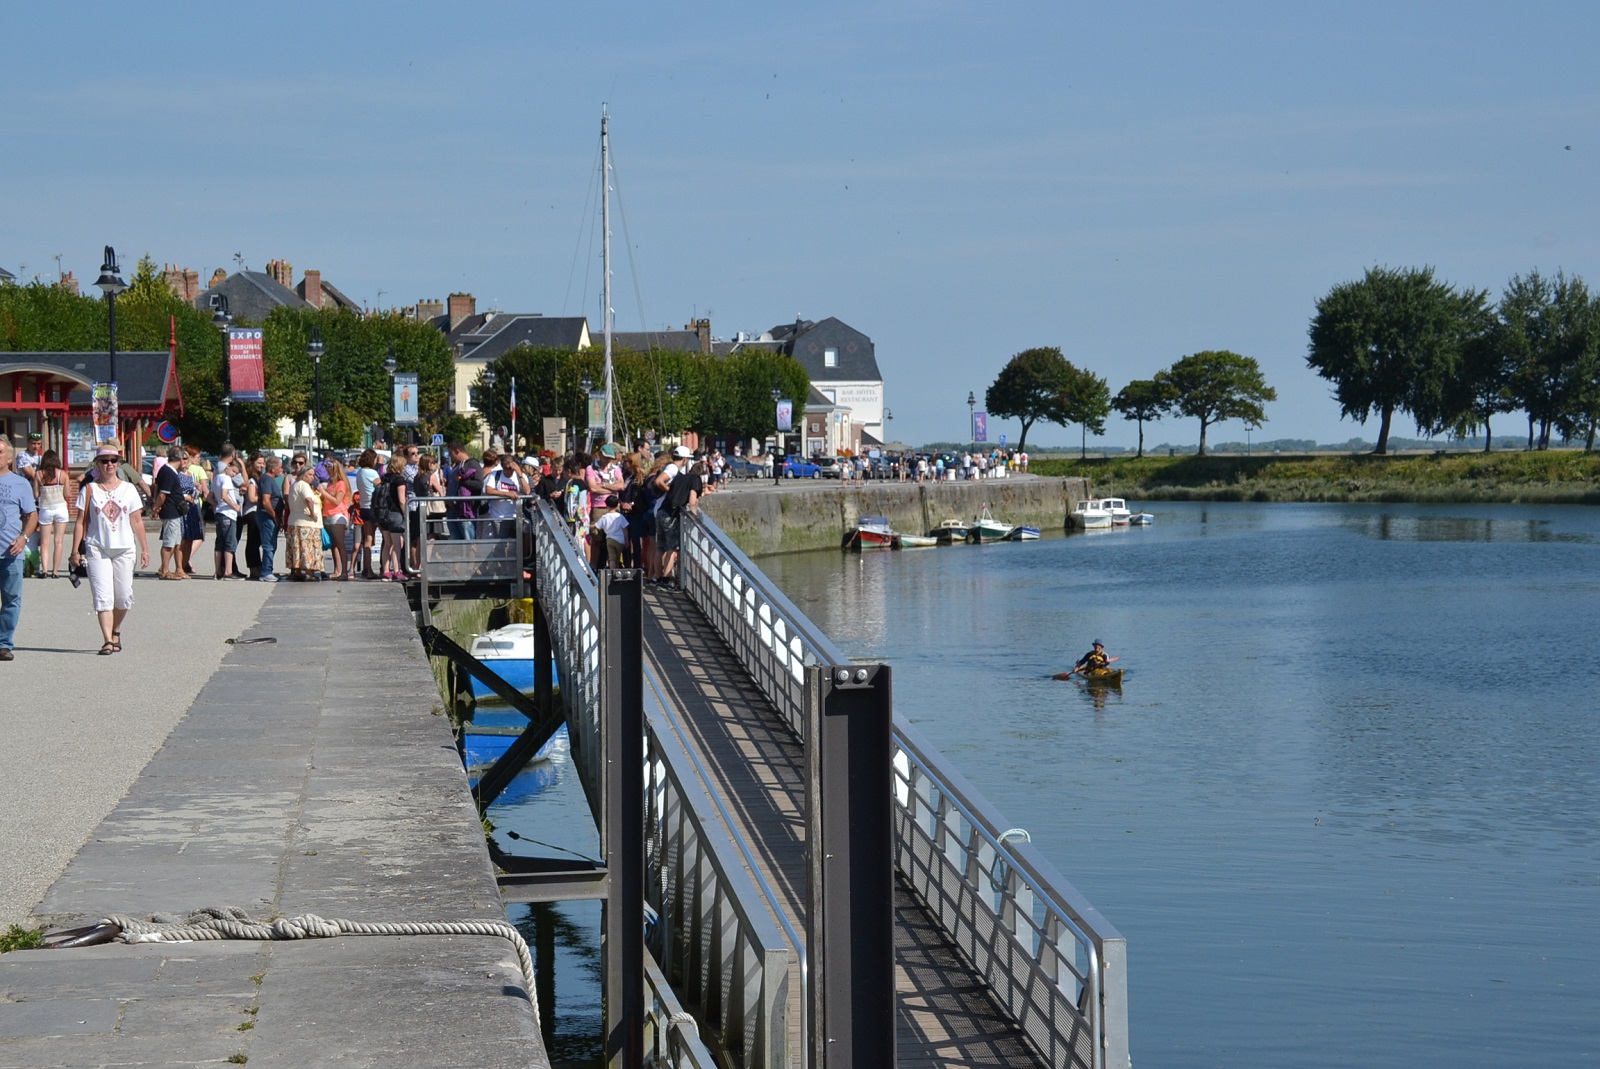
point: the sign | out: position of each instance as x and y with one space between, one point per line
597 410
166 432
437 439
80 441
552 435
785 415
247 378
980 426
405 398
104 412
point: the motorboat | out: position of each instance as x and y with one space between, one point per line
1091 515
1120 516
508 651
950 532
1023 532
874 532
1141 519
988 529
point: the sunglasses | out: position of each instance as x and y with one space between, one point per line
107 460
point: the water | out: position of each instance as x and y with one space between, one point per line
1345 806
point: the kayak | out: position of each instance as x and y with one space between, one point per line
1101 677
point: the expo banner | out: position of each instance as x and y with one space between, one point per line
980 426
405 398
104 412
785 416
247 379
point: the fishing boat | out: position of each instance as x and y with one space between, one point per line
987 529
906 541
1120 516
874 532
1141 519
950 532
1091 515
1023 532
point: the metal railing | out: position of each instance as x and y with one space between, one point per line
712 936
1049 958
456 551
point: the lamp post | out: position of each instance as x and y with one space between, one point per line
972 403
111 284
488 394
777 439
673 390
587 385
222 321
390 365
315 349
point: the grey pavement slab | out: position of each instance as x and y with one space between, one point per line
313 774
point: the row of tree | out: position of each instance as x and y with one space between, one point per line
1215 385
1400 340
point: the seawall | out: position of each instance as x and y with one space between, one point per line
791 518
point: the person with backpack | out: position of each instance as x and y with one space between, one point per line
389 513
683 496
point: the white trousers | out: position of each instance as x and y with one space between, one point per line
110 577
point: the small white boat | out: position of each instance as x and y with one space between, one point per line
988 529
1091 515
950 532
1141 519
1023 533
906 541
509 651
1120 516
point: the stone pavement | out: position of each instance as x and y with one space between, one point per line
309 775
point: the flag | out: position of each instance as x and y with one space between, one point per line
513 400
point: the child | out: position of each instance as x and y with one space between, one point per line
614 525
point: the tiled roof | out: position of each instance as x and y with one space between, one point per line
252 295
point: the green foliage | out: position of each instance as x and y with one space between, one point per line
343 427
1041 384
16 937
1549 330
1144 399
1215 385
459 427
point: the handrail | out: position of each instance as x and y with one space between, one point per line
1033 908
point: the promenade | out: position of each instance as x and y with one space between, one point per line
313 774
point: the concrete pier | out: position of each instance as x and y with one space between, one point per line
313 774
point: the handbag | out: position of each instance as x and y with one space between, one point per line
327 539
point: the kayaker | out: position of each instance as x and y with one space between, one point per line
1094 661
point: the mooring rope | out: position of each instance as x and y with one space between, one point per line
233 923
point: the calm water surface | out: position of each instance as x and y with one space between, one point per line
1346 807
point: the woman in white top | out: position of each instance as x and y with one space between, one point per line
110 527
227 501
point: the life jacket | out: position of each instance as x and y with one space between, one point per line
1095 660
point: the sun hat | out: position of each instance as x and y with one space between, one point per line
1097 642
108 451
608 450
683 452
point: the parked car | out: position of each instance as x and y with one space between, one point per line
740 468
830 466
800 468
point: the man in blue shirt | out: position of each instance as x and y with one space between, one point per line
19 515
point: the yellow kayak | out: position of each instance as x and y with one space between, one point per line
1107 677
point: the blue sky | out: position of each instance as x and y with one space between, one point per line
1131 183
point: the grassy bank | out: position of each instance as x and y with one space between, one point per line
1554 477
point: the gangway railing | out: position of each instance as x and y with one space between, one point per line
1048 957
712 938
457 551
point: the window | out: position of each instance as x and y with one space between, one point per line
831 395
830 357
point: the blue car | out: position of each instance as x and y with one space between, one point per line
800 468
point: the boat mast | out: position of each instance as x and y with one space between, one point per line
605 228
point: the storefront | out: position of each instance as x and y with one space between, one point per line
50 393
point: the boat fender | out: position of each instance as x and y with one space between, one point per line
88 936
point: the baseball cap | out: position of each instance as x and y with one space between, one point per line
608 450
683 452
34 436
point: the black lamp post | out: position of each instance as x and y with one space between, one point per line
390 365
673 390
222 321
111 284
315 349
972 403
777 439
586 384
488 394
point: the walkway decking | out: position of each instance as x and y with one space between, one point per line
945 1016
312 774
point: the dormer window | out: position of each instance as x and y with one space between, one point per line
830 357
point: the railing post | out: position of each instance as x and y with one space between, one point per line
543 657
850 866
1114 1003
622 816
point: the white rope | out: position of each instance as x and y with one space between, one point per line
233 923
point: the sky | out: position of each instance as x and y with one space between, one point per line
1131 183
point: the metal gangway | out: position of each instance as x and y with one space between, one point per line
754 952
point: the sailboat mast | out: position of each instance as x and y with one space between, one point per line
605 228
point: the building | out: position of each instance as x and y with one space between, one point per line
49 393
843 367
252 295
478 340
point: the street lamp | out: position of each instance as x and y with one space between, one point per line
111 284
390 365
777 438
972 402
488 394
586 384
222 321
315 349
673 390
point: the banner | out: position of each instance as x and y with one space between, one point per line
980 426
785 415
247 380
597 411
405 398
104 413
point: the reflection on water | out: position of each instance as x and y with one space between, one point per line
1345 805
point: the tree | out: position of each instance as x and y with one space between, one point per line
1550 330
1034 385
1390 342
1216 385
1088 402
1144 399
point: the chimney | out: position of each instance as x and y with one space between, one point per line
461 305
218 277
312 284
429 308
702 331
184 282
69 283
281 272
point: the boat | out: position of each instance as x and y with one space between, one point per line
1023 532
987 529
488 735
508 651
906 541
1120 516
1091 515
950 532
1098 677
874 532
1141 519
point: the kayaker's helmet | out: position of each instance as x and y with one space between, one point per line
1099 645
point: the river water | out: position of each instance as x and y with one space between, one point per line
1345 807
